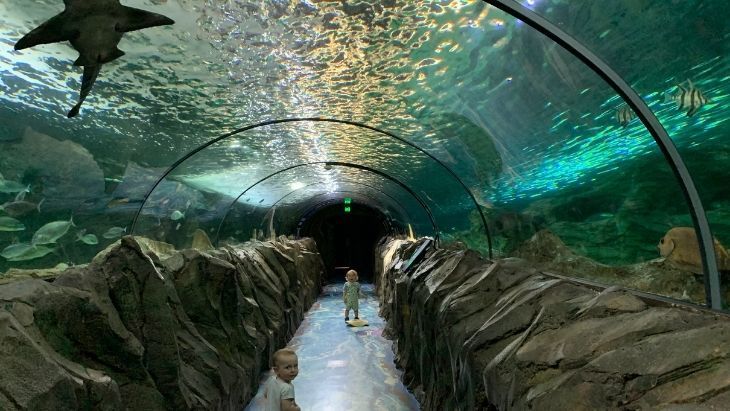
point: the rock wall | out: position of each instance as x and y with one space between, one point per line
146 327
472 334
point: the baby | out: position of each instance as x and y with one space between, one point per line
350 294
279 391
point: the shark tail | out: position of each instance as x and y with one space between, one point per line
87 81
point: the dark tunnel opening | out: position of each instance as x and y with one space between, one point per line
346 240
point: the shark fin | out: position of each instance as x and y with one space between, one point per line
52 31
83 61
136 19
87 81
115 54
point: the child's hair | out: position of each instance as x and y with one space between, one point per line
276 358
351 271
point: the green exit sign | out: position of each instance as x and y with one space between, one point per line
348 200
347 209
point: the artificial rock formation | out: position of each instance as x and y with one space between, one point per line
145 327
472 334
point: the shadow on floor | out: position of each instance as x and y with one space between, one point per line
344 368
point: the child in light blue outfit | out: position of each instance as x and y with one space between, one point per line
279 391
351 294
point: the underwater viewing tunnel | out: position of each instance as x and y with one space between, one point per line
508 178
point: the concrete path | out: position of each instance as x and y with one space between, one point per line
344 368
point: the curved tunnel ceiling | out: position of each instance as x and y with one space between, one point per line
371 195
531 131
228 164
421 202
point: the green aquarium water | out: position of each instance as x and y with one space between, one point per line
426 111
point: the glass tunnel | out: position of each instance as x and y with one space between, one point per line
572 134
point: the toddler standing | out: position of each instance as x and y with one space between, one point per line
351 294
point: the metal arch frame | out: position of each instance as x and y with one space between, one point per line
315 119
343 164
338 191
647 117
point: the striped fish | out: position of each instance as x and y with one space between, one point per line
688 98
624 115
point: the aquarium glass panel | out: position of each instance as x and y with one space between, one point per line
539 142
687 90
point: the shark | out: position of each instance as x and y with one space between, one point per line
94 29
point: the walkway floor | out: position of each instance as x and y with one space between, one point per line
344 368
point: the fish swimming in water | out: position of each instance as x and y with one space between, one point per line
7 186
89 239
24 251
680 247
176 215
19 208
479 197
117 202
201 242
114 232
689 98
11 224
94 29
51 232
624 115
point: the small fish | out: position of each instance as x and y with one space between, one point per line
201 242
114 232
176 215
89 239
24 251
21 194
117 202
624 115
689 98
682 249
51 232
15 250
7 186
20 208
479 196
11 224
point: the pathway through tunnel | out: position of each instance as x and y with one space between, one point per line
341 367
346 240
